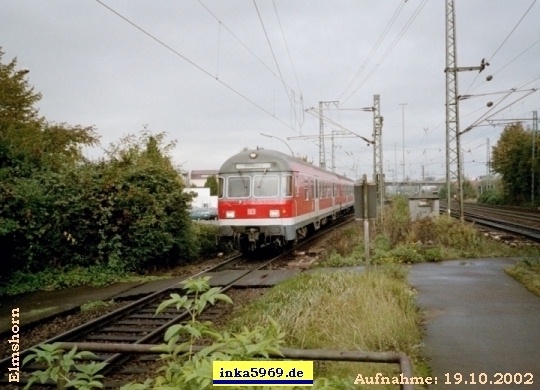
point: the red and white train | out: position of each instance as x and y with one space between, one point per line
267 198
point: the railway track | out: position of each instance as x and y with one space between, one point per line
513 220
137 323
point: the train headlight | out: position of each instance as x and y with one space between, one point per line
274 213
229 214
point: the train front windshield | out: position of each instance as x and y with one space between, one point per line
238 187
256 185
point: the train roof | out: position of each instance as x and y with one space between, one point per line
272 161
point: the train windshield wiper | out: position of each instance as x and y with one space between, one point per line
260 181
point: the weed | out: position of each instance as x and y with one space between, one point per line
95 305
344 241
62 368
53 279
336 260
395 220
369 311
527 272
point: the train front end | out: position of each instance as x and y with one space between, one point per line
255 201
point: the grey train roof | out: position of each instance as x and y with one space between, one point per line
279 162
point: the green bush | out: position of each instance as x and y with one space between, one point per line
407 253
492 196
432 253
127 212
54 279
206 239
396 220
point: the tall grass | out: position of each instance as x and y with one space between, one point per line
433 239
369 311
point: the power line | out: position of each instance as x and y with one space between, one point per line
276 62
389 50
511 32
373 49
504 41
230 88
287 48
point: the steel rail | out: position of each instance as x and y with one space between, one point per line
109 317
499 224
120 358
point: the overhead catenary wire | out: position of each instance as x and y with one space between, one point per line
389 49
485 116
287 48
301 98
511 32
504 42
276 62
200 68
373 49
300 101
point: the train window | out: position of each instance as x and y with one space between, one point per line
265 186
238 186
286 185
220 187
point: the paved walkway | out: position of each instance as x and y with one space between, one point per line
480 320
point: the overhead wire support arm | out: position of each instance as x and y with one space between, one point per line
480 68
469 128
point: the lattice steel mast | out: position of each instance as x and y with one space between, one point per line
454 171
378 172
452 108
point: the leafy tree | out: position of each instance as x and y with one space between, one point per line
512 159
469 192
33 153
16 96
27 141
57 209
211 182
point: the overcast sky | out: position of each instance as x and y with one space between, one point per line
215 74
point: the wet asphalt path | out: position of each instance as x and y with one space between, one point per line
479 320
